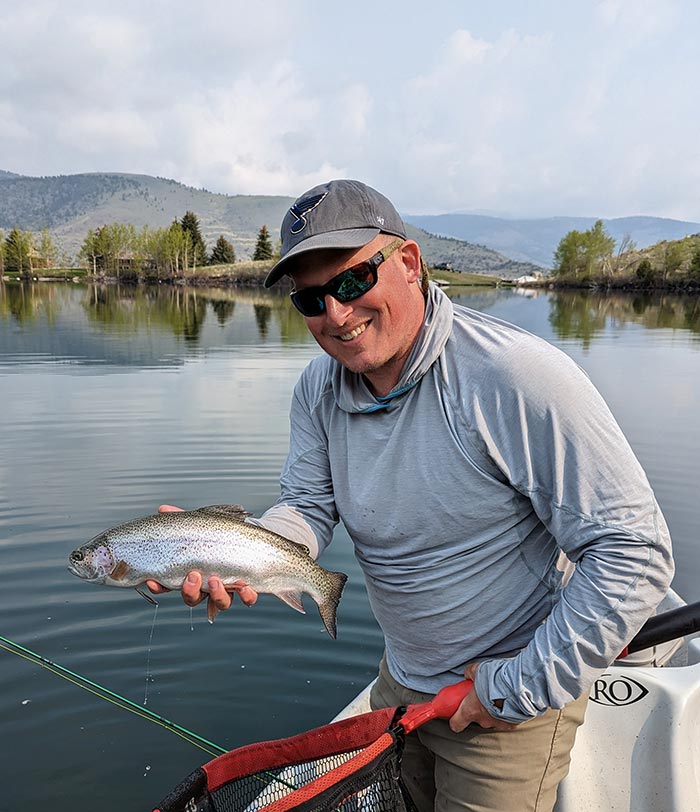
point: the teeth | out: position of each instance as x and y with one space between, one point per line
356 332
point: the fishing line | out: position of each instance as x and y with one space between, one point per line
122 702
148 655
112 697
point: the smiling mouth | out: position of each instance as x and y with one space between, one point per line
353 333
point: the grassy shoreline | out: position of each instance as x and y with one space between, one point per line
252 274
240 273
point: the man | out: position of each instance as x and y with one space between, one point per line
463 455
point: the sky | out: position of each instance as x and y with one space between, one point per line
523 109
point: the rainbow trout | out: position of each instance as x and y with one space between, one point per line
216 541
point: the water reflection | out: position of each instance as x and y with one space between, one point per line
184 312
129 310
583 315
25 303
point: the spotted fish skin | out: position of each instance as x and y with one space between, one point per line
213 540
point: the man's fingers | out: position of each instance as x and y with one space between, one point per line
219 597
245 592
156 588
218 594
192 589
471 711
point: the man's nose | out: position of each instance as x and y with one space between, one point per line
337 312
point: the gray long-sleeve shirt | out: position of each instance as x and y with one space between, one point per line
459 490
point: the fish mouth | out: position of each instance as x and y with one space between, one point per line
82 574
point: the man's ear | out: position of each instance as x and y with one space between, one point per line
410 254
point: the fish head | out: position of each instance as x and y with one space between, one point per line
92 562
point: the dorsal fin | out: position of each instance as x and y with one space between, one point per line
302 547
237 512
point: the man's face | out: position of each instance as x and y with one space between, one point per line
373 334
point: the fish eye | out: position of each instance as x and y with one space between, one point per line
77 556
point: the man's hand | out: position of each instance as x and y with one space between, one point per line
471 710
218 598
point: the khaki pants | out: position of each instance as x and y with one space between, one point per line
483 770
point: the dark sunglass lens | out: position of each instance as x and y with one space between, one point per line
308 303
353 283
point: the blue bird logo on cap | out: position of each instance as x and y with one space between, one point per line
301 208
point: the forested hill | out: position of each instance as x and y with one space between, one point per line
70 205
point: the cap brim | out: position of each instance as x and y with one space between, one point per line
349 238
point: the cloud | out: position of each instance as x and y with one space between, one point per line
582 110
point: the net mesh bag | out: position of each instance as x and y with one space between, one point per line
349 766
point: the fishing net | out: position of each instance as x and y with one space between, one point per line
349 766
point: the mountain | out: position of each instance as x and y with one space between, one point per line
536 240
69 205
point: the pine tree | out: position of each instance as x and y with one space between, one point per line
190 224
18 248
263 247
223 253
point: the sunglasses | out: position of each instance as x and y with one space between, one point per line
347 285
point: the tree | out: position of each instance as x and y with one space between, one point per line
645 272
263 247
569 258
18 251
580 254
223 253
672 258
89 250
112 245
47 249
624 258
694 268
190 225
599 247
169 248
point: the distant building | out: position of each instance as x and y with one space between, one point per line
528 279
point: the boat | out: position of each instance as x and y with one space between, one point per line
639 747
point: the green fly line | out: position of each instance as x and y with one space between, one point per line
104 693
120 701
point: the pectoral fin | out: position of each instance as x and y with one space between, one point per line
151 600
292 598
121 571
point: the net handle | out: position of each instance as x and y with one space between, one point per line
442 706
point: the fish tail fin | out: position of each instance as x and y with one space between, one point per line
329 605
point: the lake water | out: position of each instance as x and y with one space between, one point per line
114 401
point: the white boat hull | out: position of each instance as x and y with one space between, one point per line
639 749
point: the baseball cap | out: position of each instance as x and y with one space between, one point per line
338 214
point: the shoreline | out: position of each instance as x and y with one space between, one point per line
247 278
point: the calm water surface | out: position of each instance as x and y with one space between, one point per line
114 401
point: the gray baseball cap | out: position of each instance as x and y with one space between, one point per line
339 214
